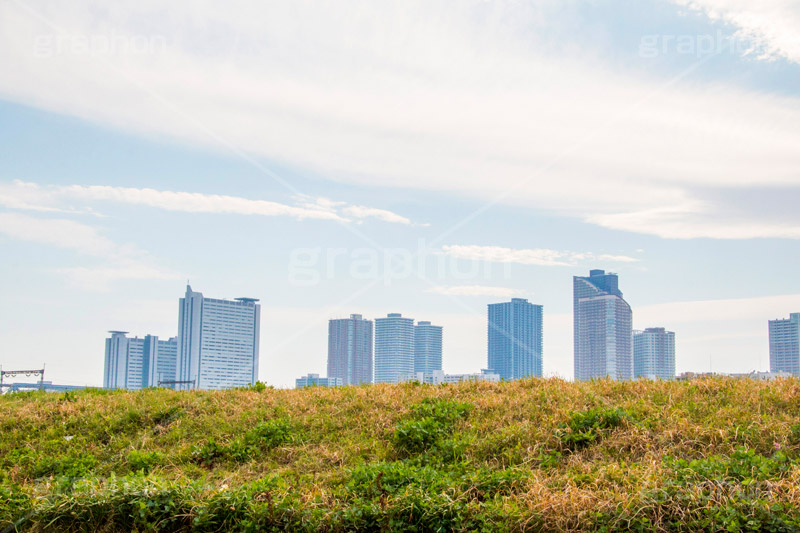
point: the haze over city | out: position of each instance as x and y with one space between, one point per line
421 158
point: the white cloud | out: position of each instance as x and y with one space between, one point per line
61 233
474 290
772 25
464 98
531 256
192 202
32 196
690 222
118 261
360 212
759 308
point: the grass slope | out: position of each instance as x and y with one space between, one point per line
713 454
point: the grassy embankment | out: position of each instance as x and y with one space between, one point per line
715 454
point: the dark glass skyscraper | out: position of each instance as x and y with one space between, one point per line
515 339
602 328
427 347
350 350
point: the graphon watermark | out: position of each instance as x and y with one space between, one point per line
696 45
310 266
101 44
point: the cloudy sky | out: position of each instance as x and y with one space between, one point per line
426 158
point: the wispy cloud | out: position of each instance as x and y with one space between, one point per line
530 256
361 212
474 290
691 222
118 262
32 196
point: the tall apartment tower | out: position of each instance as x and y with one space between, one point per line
602 328
515 339
218 342
394 348
784 344
350 350
159 360
654 354
123 362
427 347
134 363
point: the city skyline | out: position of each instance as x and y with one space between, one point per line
133 362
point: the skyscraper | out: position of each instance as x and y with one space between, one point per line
218 342
427 347
159 360
350 350
784 344
654 354
602 328
134 363
394 348
123 362
515 339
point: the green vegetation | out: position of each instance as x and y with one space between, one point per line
712 455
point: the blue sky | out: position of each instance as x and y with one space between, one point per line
425 158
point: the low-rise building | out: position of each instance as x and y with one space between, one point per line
438 377
313 380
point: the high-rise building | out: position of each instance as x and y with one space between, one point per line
350 350
654 354
602 328
159 361
134 363
121 364
784 344
515 339
313 380
427 347
218 342
394 348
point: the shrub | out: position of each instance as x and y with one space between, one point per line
586 427
207 453
427 424
14 505
140 461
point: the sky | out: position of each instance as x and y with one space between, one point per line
426 158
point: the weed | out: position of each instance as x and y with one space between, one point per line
428 423
141 461
587 427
